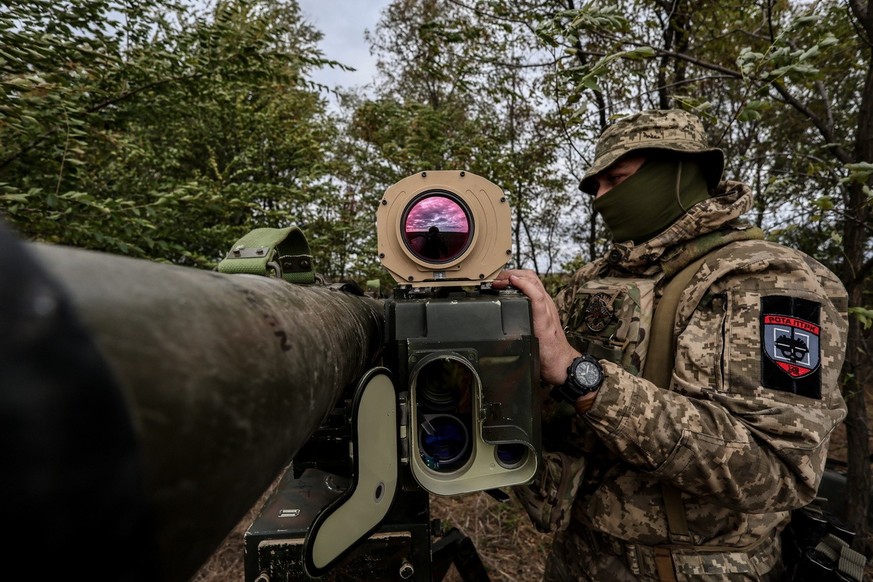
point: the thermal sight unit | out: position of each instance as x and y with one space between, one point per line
454 407
445 228
464 358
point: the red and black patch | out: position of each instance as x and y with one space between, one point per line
790 345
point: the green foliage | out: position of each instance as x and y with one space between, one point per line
156 131
864 316
454 94
781 88
161 130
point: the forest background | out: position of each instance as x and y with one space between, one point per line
167 129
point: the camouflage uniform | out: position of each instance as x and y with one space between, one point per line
742 444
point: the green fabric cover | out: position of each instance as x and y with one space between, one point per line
271 252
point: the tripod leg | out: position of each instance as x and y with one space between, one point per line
459 549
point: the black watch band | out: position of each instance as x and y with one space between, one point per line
584 375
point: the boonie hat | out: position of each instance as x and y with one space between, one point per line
671 129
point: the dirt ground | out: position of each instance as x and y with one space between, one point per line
509 546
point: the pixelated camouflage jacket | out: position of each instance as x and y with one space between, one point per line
740 447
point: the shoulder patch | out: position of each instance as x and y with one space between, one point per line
790 340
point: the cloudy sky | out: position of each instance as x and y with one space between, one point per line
343 23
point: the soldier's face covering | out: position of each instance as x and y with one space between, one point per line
651 199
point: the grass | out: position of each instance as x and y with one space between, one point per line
508 545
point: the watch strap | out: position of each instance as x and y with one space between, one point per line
564 393
570 390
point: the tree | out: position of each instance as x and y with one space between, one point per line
454 94
158 131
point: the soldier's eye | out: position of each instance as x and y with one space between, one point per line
616 179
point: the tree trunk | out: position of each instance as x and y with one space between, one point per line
854 244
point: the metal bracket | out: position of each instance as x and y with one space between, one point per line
295 263
242 252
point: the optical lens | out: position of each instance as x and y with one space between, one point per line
444 441
436 227
511 455
443 388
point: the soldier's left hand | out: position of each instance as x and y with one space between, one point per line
556 353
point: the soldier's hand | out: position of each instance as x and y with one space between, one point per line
556 353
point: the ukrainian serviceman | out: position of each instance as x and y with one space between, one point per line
692 479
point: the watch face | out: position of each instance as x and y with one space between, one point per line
587 374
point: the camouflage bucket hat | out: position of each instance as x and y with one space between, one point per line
672 130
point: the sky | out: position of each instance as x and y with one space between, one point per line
343 23
438 211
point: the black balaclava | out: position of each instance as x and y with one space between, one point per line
652 199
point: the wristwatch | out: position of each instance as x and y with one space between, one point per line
585 375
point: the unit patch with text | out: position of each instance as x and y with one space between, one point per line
790 345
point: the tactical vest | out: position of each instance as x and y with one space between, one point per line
610 318
630 321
